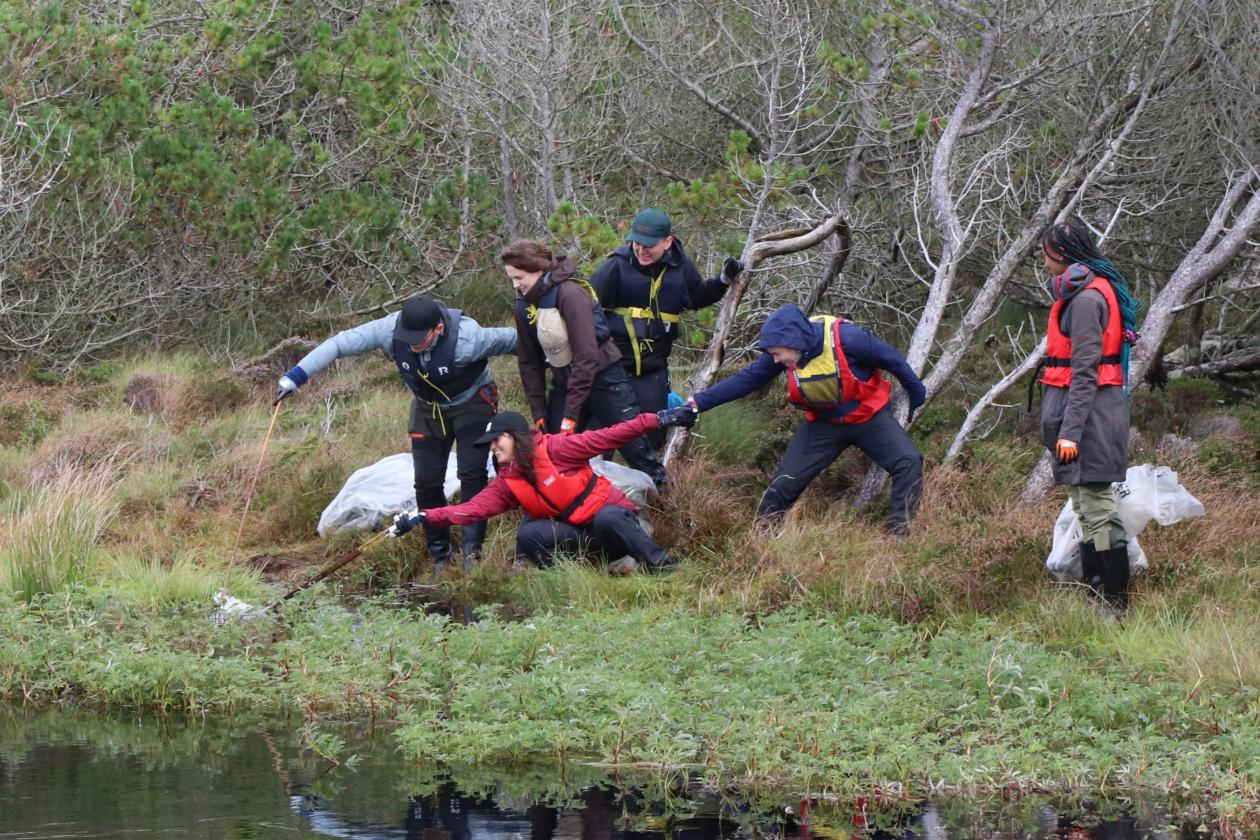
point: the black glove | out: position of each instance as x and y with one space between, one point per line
731 268
684 415
405 522
285 388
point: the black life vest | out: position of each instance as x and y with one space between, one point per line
647 308
439 380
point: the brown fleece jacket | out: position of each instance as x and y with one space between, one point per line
577 308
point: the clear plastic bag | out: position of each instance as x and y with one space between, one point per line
379 490
1147 492
634 483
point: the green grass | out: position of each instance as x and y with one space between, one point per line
51 534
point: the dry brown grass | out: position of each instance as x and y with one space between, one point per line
973 546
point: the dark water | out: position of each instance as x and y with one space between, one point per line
73 775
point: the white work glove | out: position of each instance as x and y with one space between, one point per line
285 388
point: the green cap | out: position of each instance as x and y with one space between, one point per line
649 227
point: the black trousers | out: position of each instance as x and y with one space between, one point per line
610 402
432 436
817 443
651 392
614 532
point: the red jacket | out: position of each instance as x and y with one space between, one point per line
568 452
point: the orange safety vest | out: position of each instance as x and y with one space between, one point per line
573 498
1058 372
826 381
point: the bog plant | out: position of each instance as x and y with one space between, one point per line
49 535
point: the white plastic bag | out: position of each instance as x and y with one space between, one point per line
382 489
1147 492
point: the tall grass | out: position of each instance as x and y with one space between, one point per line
51 531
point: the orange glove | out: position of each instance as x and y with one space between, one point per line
1066 451
567 426
540 424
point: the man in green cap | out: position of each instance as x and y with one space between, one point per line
644 287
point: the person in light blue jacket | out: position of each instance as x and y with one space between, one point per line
442 356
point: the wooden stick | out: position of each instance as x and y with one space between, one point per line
344 560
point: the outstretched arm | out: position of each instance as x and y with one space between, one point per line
374 335
757 375
573 450
477 342
496 498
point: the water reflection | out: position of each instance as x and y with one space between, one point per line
91 776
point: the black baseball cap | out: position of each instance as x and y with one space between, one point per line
419 315
504 421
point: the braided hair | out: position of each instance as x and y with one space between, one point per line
1072 240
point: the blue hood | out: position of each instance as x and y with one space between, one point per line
787 326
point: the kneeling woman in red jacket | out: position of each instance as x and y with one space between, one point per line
568 506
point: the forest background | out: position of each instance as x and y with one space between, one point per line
184 185
235 172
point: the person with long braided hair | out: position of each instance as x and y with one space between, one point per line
1085 405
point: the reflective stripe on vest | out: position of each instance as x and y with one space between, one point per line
826 381
574 498
651 313
1058 372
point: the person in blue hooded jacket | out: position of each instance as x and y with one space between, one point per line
834 374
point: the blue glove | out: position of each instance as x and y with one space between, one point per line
674 400
405 522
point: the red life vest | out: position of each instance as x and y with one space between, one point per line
573 498
826 381
1058 372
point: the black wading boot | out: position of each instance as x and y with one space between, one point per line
472 534
439 542
1091 568
1115 572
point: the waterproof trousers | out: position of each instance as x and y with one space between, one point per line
432 435
610 402
614 532
651 392
1095 504
817 443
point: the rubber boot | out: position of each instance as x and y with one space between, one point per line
439 542
1115 572
473 534
1091 567
660 563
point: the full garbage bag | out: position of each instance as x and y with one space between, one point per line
381 489
388 487
1147 493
